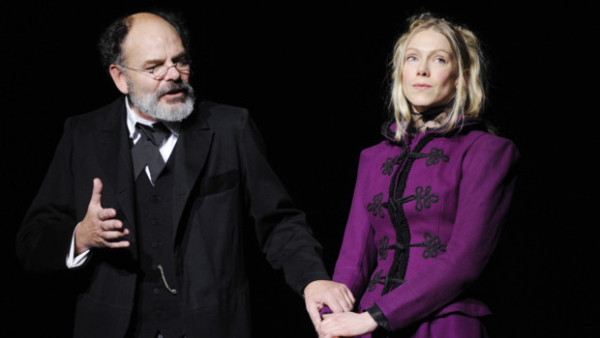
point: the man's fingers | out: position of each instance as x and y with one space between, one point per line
104 214
96 192
112 235
314 314
346 300
335 306
343 305
349 301
116 245
351 298
111 225
114 239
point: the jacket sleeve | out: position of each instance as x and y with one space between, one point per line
282 231
44 237
358 253
485 192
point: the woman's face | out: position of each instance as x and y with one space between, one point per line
429 75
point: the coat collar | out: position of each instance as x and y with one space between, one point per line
388 130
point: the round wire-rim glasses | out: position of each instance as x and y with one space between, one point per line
160 71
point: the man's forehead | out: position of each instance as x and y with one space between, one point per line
151 37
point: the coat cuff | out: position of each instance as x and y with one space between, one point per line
379 317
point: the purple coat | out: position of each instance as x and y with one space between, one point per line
425 218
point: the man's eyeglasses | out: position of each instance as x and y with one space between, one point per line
160 71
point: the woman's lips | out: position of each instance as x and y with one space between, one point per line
421 86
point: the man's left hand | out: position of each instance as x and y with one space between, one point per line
319 293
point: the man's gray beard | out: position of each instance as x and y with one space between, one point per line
149 104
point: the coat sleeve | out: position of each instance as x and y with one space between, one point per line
282 231
44 237
358 253
485 192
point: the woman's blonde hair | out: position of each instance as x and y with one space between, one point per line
470 94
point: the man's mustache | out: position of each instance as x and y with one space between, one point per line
174 87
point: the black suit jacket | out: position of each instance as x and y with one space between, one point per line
221 178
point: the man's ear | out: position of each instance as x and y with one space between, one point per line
119 78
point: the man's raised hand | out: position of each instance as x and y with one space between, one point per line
99 228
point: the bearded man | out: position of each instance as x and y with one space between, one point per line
146 198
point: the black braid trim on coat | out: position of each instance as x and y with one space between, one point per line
398 217
397 271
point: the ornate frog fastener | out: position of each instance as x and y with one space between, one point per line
434 156
423 197
433 247
376 206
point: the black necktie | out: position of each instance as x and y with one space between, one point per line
145 151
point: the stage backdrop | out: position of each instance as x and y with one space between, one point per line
315 78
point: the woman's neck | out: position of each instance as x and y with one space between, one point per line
431 118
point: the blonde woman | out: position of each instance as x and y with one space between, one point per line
430 199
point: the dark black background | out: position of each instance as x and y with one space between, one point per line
314 77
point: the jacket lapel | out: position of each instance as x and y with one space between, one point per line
114 139
192 150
